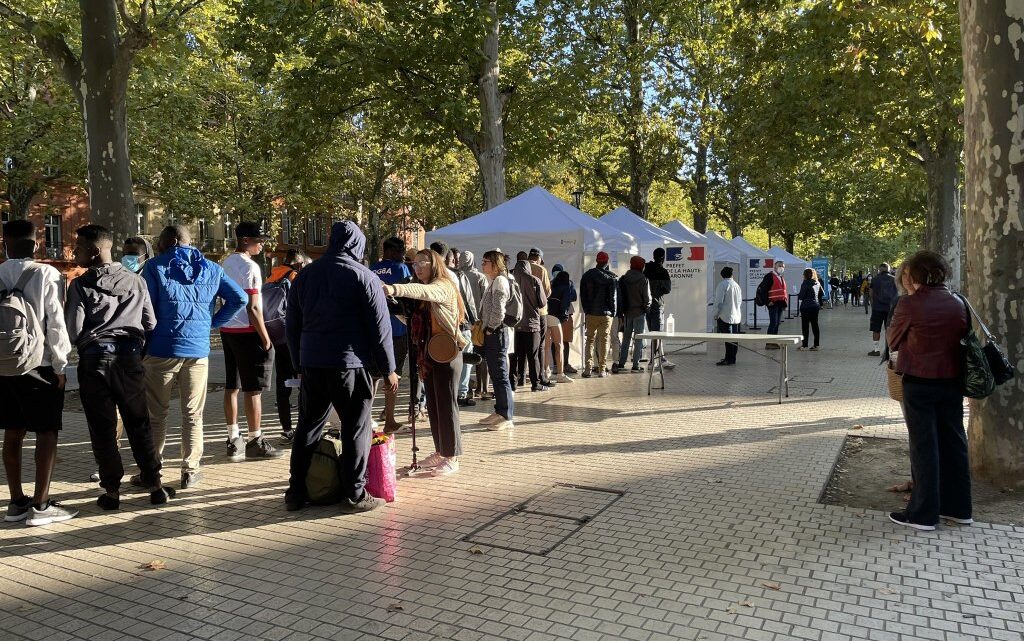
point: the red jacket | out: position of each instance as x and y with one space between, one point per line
926 329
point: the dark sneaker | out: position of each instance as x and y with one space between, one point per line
900 518
958 520
569 369
392 428
586 374
95 477
136 480
162 495
602 374
616 368
52 512
722 362
874 352
294 501
190 479
540 388
466 402
287 437
260 447
109 501
636 368
365 504
236 449
18 510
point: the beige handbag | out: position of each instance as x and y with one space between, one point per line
895 382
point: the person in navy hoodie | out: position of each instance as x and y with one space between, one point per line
184 287
339 336
393 270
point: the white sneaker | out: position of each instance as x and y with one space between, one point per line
52 513
492 419
562 378
374 425
433 460
667 364
449 466
504 424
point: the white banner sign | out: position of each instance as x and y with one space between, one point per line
687 266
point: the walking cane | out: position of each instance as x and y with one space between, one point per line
414 400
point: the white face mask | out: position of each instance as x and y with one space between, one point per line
780 270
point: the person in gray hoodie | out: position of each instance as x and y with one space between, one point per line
108 313
478 284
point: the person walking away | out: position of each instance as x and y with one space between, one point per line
550 330
339 331
728 312
927 327
33 355
478 284
661 286
856 286
440 313
469 304
495 301
809 300
568 313
563 295
183 288
248 350
635 297
778 299
528 331
274 296
392 270
598 295
883 295
865 294
108 314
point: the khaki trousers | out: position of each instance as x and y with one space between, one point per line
190 376
598 332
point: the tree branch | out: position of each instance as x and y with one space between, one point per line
53 46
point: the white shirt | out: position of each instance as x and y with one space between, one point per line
729 302
45 294
242 269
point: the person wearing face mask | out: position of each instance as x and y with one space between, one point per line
778 299
135 252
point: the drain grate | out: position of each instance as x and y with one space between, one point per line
546 520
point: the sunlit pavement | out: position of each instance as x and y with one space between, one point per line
701 521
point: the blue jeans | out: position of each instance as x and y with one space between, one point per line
467 369
633 325
496 353
775 317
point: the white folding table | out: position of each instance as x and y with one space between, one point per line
656 364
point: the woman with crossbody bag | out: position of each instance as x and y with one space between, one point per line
435 332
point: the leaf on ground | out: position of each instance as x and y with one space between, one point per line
475 551
747 604
395 607
714 480
860 515
858 426
771 585
155 564
888 591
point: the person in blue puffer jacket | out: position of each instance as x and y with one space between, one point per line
184 287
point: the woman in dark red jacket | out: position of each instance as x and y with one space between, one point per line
926 330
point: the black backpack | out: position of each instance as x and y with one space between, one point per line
274 301
761 296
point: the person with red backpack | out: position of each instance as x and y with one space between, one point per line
34 347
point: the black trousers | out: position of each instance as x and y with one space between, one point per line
283 370
730 348
938 450
443 408
527 352
111 381
350 392
809 322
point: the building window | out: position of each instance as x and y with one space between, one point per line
316 231
286 227
203 234
53 236
141 212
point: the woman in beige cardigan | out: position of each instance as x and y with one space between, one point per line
440 311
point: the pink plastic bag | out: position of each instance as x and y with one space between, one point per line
381 481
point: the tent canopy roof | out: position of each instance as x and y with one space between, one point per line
637 227
747 249
682 231
781 254
722 251
540 213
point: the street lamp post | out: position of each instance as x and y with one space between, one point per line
577 198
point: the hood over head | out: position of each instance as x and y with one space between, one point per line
561 279
113 279
347 240
467 261
186 264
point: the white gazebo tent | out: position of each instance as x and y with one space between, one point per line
795 267
723 254
647 236
538 218
682 231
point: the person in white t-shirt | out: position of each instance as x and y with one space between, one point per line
248 350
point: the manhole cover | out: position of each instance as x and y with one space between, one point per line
543 522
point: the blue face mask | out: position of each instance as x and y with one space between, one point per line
131 263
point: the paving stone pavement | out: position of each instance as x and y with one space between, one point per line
717 533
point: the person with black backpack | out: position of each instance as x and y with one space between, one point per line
499 312
274 295
33 355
